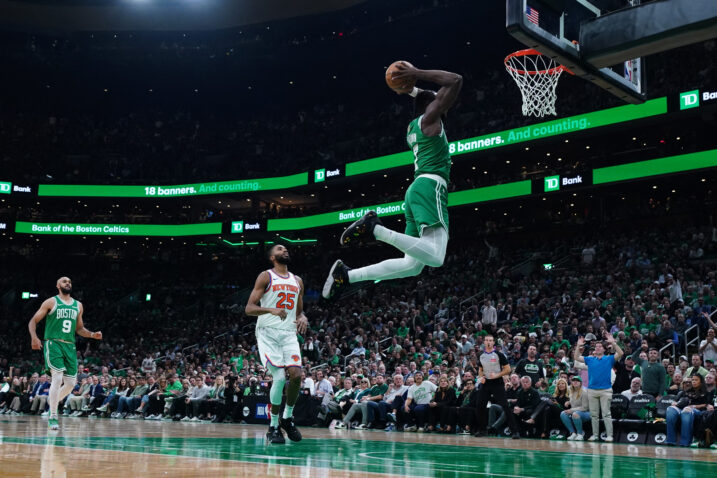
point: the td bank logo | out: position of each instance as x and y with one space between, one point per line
319 175
689 99
5 188
552 183
237 227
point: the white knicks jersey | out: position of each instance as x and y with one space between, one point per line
281 293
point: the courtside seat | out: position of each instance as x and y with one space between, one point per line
634 427
618 406
663 404
657 430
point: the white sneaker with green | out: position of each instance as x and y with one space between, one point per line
52 424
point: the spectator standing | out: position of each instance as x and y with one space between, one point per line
148 365
652 372
708 347
489 315
624 373
531 366
599 383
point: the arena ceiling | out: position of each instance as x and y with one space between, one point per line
153 15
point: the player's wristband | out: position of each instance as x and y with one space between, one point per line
414 92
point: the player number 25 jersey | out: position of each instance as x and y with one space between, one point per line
282 293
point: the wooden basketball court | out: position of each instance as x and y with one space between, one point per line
93 447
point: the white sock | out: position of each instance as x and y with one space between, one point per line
67 386
54 394
288 411
429 249
388 269
277 391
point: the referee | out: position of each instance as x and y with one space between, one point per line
492 367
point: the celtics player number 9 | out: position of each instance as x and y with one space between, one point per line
63 316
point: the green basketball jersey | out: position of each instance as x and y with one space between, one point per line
61 322
430 152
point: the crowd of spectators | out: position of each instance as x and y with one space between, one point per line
642 292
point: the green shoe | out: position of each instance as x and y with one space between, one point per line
52 424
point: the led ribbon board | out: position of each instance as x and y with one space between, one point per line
458 198
572 124
180 190
73 229
656 167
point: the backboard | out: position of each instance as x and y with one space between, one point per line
553 28
605 41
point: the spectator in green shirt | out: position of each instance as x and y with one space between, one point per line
652 371
402 330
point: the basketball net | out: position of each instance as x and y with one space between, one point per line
537 76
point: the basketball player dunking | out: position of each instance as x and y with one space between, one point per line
426 236
278 300
64 318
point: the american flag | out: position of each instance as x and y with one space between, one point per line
532 14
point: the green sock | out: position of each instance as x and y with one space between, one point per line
274 420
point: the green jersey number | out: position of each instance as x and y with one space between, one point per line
66 326
415 156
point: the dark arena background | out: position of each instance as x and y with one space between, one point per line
154 152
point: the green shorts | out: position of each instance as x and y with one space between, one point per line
426 206
60 357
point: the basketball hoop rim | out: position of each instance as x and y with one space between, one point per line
530 51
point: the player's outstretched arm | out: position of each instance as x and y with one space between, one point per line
252 305
301 320
41 313
81 330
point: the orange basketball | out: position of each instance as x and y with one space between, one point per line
399 86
